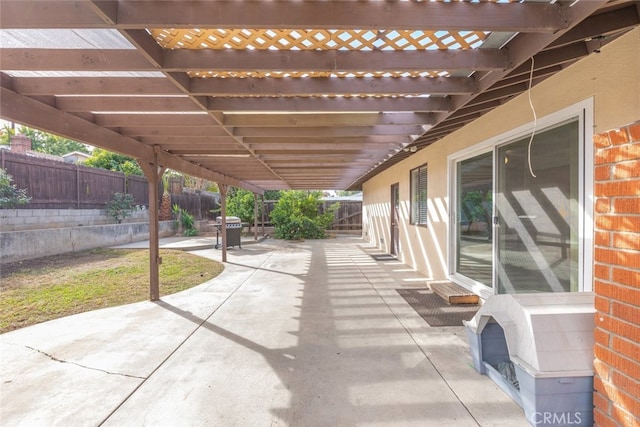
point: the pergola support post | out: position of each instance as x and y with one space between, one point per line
153 172
223 215
255 217
263 209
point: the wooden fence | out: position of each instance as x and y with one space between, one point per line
203 206
53 184
348 216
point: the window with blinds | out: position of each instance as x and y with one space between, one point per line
419 195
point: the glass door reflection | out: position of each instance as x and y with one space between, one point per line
538 237
474 249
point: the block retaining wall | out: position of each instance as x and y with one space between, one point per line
30 244
35 219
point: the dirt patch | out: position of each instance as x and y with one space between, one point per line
81 261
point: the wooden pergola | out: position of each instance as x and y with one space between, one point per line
281 94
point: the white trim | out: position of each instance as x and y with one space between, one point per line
587 202
474 286
584 110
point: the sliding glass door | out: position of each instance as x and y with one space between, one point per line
518 213
474 233
537 207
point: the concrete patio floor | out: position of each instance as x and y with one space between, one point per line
290 334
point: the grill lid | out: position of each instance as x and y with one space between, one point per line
230 220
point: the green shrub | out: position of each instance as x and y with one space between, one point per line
241 203
10 196
297 216
120 206
185 220
188 224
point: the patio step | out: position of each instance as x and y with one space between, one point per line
454 294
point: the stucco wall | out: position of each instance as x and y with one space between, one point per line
611 78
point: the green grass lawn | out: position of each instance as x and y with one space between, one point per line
35 291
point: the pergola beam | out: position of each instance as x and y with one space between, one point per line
328 85
196 141
243 86
328 119
601 25
73 59
327 131
524 46
301 141
528 17
133 104
237 60
297 104
94 86
319 146
333 60
182 131
27 111
168 119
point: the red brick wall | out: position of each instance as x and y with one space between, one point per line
617 277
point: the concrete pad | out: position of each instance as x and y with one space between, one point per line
187 243
294 334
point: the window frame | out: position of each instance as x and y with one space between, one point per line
419 195
584 110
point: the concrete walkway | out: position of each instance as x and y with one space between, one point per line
290 334
190 243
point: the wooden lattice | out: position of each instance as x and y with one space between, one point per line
319 39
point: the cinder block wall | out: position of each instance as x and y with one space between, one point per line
617 277
30 244
35 219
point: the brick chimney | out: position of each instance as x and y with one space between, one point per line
20 144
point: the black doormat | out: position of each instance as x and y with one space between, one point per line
384 257
434 310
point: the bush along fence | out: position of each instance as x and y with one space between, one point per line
348 216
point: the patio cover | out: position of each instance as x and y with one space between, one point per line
282 94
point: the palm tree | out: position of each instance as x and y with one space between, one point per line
165 205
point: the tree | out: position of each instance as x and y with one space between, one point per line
476 207
343 193
103 159
10 196
199 184
120 206
297 215
272 195
240 203
165 203
6 133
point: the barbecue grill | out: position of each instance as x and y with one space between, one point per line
234 227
